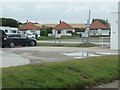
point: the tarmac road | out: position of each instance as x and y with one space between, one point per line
47 54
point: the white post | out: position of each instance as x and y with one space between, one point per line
114 31
102 41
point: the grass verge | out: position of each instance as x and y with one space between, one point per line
81 73
53 38
67 45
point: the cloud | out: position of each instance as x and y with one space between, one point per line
52 12
59 0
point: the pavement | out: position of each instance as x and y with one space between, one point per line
73 42
11 59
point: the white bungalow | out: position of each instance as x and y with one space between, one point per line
63 29
99 29
30 30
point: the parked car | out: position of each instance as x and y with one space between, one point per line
13 40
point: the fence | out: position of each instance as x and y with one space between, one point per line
102 41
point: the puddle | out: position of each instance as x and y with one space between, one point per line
83 54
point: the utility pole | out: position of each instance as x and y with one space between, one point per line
88 27
55 36
35 20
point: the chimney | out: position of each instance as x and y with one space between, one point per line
27 21
60 21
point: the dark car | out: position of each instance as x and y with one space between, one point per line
13 40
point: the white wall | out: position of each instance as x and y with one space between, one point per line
114 31
105 32
38 33
63 32
93 32
26 32
99 32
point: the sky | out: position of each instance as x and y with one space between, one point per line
51 12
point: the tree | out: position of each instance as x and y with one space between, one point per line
42 32
45 30
9 22
49 29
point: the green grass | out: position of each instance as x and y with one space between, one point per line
66 45
81 73
53 38
73 38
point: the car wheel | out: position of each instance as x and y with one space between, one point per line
23 45
3 46
12 45
32 43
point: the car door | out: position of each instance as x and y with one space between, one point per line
17 39
12 38
23 40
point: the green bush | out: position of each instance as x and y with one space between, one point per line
42 33
74 34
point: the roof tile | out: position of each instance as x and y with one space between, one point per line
63 25
29 26
98 25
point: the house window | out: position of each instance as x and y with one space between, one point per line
68 31
33 32
59 31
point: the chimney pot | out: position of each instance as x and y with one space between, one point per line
27 21
60 21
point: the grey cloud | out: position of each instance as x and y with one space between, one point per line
51 12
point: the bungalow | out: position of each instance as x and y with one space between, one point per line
30 30
9 30
77 26
63 29
97 29
74 25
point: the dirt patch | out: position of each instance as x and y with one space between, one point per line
114 84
